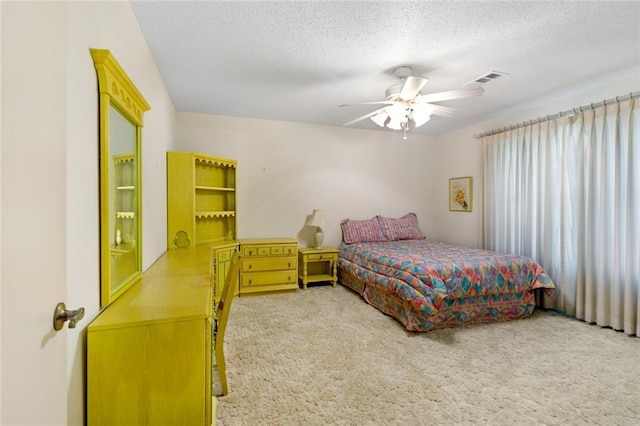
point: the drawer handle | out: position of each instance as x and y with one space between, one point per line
250 266
250 282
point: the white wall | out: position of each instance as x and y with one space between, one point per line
112 26
460 154
288 169
285 170
0 210
51 156
90 27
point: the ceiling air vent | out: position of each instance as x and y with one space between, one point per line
486 78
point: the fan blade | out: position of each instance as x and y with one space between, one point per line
369 103
451 94
364 117
443 111
412 86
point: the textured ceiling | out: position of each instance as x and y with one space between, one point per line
297 61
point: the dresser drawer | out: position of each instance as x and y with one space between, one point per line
269 250
262 279
269 264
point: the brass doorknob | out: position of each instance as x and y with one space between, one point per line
62 314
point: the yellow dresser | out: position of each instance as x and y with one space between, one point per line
268 265
149 354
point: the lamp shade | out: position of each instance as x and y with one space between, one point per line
401 113
380 118
421 113
397 111
394 124
317 218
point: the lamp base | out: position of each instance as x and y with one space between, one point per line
318 238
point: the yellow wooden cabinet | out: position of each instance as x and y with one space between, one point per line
149 354
201 199
123 245
268 265
124 199
201 208
220 262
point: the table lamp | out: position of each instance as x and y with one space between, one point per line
318 220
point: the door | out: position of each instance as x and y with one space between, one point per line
33 228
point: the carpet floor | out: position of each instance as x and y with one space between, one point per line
323 356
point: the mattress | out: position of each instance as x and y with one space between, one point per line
427 285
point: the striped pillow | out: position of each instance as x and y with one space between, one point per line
362 231
404 228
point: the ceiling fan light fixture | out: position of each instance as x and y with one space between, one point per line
419 122
407 107
392 92
395 124
398 111
421 113
380 118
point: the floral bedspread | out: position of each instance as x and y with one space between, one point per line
434 272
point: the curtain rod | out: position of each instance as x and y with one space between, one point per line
568 113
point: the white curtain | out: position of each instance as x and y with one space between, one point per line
567 193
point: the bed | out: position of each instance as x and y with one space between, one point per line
427 285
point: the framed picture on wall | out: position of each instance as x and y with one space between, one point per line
461 194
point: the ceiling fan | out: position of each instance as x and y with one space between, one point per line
404 104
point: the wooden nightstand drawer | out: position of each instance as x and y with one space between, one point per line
270 264
322 256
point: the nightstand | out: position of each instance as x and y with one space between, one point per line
315 265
